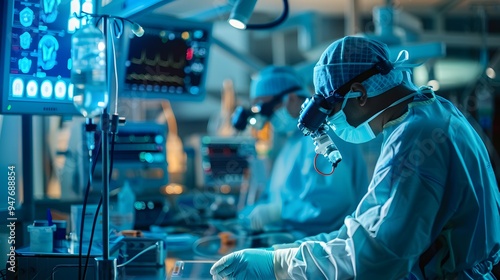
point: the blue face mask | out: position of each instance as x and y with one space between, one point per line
363 132
282 122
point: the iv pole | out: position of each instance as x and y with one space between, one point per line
106 266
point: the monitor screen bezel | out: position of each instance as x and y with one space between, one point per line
22 107
157 23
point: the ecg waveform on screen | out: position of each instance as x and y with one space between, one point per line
157 61
162 78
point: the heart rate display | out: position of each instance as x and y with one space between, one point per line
168 62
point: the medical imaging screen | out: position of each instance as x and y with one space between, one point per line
40 51
167 63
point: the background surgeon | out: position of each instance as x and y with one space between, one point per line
299 197
432 210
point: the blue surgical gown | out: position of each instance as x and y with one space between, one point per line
313 203
433 187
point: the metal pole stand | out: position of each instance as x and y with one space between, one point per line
105 269
105 266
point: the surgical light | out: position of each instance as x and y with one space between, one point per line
241 12
490 72
243 9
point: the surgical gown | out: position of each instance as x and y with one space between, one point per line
431 211
313 203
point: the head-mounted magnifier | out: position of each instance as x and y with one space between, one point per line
314 111
259 113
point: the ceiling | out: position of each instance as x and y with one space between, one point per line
335 7
436 12
218 11
467 15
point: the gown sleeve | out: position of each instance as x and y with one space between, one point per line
376 237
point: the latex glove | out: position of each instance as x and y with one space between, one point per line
244 264
264 214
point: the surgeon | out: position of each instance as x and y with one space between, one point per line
298 197
432 210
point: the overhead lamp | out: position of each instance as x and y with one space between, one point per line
242 10
241 13
490 72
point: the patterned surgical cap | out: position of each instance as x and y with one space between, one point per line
350 56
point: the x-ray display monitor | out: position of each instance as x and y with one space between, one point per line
169 61
36 51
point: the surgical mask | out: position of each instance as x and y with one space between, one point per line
282 121
363 132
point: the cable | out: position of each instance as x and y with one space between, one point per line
84 206
275 22
91 238
319 171
96 215
115 66
118 28
156 245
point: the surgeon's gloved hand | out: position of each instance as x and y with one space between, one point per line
264 214
245 264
